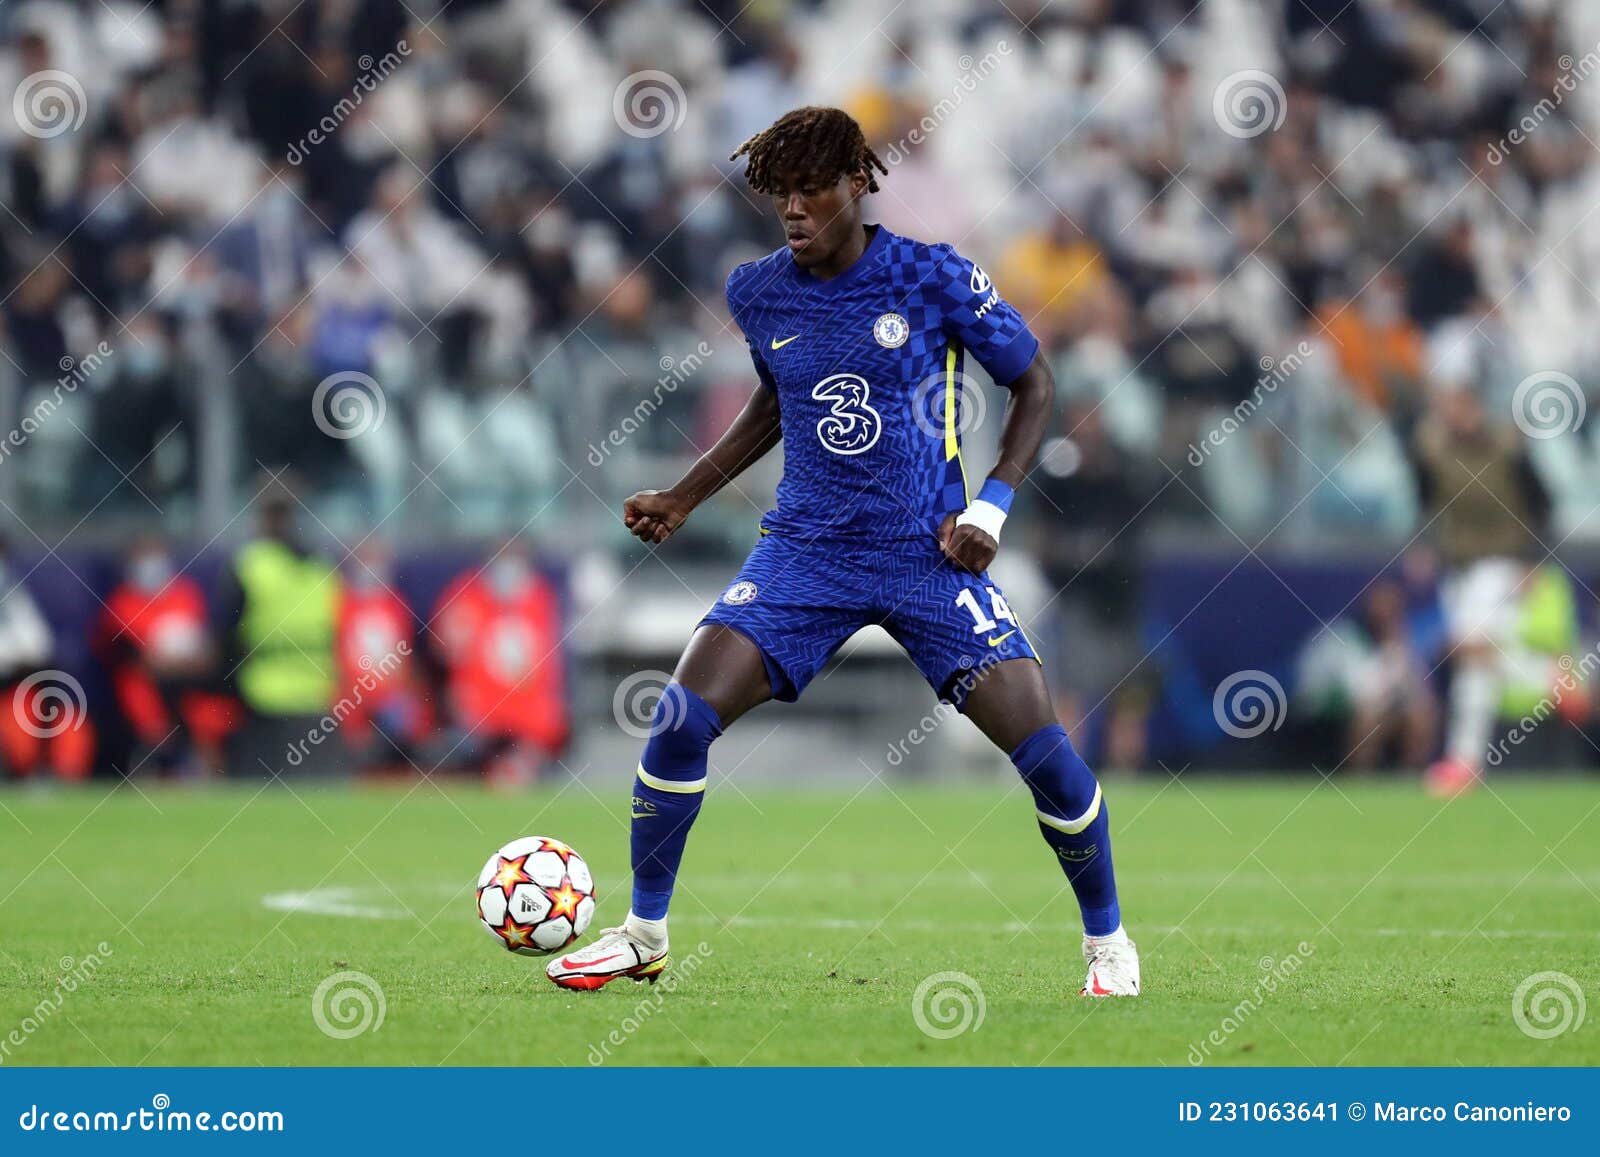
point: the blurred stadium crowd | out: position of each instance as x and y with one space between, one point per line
277 661
459 264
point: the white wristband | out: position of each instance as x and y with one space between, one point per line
986 516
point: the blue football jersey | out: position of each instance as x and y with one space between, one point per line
869 372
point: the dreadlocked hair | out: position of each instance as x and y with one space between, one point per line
812 144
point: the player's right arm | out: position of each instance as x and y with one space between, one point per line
652 515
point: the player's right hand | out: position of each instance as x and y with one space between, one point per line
652 515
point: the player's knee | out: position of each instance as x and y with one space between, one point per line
681 732
1063 787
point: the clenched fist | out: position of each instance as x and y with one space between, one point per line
652 515
966 546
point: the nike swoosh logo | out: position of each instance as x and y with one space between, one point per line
778 345
994 642
644 815
567 962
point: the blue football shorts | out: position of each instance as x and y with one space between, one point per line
799 600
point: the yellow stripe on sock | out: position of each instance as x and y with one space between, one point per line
689 788
1073 827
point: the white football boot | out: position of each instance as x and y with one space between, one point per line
1113 965
616 954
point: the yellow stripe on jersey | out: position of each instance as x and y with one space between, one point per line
952 438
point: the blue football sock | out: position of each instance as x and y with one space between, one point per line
1074 822
667 792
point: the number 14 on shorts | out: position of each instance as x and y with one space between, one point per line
999 613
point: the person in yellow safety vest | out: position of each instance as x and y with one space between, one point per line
278 603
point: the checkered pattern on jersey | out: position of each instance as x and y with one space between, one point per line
914 278
976 314
860 364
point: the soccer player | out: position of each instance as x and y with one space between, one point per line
1488 510
858 338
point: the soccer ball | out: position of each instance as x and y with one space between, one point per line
535 896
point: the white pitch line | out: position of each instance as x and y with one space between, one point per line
331 902
357 903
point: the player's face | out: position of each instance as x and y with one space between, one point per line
820 221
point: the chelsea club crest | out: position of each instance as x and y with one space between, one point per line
740 593
891 331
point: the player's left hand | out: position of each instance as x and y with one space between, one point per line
966 546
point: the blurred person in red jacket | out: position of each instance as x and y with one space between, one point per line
155 641
44 719
498 634
391 714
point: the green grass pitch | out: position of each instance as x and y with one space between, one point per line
1295 922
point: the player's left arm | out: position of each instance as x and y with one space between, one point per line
995 334
971 539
